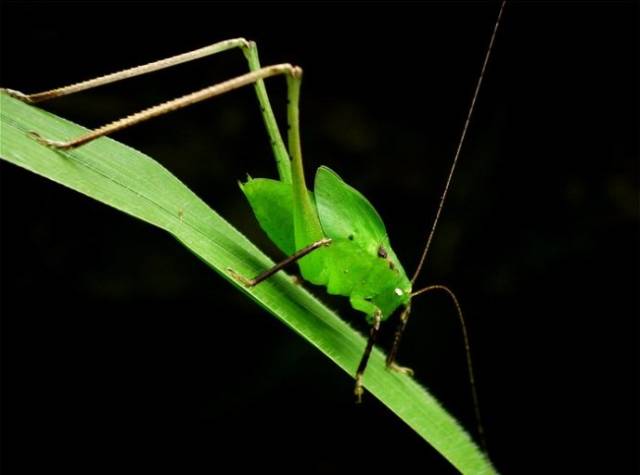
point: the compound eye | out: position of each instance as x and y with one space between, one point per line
398 292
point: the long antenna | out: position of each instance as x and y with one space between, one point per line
460 142
467 349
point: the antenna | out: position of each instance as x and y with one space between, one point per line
474 393
460 142
467 349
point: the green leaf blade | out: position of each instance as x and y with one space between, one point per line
128 180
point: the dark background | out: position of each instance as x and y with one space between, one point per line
119 349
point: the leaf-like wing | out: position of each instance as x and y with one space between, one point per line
272 203
345 213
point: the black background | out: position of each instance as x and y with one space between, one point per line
120 350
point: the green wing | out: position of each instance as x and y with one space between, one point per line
272 203
345 213
354 265
364 267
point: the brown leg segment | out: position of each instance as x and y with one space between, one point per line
391 357
131 72
280 265
373 335
173 105
251 53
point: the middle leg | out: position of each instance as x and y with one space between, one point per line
280 265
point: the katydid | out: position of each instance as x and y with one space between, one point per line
333 232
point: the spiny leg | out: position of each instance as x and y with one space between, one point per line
173 105
373 335
130 72
391 357
251 54
256 76
280 265
307 229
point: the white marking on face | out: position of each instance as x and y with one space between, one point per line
398 292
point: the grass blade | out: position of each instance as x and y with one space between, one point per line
135 184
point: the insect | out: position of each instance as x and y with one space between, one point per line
330 230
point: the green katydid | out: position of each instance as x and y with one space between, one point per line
333 232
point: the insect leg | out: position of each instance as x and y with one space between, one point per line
250 51
173 105
280 265
373 335
283 161
131 72
391 357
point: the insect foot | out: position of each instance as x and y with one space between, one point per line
400 369
240 278
46 142
358 390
